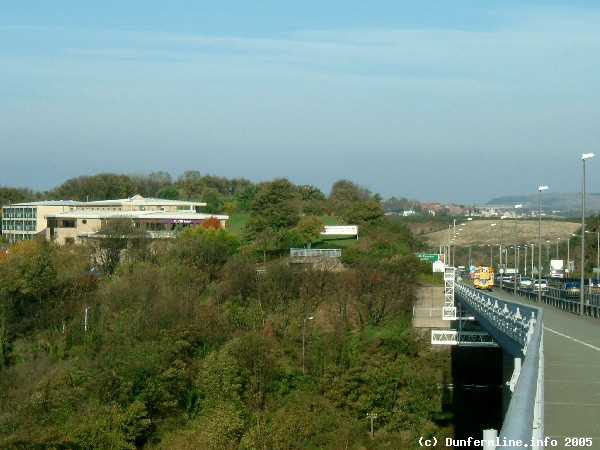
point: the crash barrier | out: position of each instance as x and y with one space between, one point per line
568 300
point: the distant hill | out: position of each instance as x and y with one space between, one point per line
567 204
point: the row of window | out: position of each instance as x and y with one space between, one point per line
17 213
20 225
20 237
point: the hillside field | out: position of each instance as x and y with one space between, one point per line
481 232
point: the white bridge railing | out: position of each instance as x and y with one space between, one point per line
518 330
315 252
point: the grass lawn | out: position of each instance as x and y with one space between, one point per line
237 222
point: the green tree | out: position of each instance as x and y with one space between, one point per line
275 206
168 192
244 195
310 228
189 184
103 186
206 249
344 193
364 212
213 202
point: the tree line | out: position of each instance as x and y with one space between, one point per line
221 194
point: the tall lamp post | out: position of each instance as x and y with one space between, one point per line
540 189
581 288
491 249
532 256
516 258
303 333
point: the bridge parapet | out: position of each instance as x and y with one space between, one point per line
518 329
509 320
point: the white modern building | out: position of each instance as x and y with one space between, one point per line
29 220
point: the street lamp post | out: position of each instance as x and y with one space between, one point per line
303 334
581 290
532 256
454 246
547 263
491 250
516 256
540 189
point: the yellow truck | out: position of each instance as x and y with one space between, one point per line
484 278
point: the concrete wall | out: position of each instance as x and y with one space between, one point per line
427 310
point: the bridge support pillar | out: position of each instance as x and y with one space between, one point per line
489 439
509 370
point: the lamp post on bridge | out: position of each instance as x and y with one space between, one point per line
581 290
516 254
540 189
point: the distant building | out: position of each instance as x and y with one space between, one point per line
28 220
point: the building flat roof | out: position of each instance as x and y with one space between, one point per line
49 203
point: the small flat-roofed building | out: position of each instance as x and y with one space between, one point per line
28 220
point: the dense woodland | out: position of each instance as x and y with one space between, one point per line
212 340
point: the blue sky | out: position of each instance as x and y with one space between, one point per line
445 101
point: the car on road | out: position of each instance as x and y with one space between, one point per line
571 289
525 282
539 285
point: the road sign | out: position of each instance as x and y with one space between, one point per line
429 257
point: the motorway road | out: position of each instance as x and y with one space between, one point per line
572 374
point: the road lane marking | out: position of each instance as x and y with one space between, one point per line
573 339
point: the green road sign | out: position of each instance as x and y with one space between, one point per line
428 257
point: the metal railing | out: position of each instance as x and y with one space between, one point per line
518 330
559 298
315 252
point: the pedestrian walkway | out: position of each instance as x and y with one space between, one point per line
572 375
